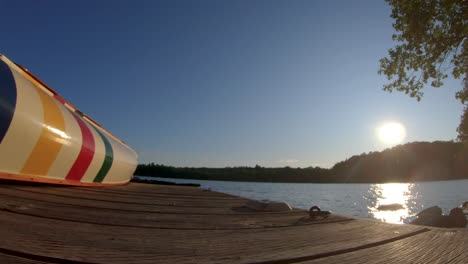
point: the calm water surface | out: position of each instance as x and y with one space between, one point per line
358 200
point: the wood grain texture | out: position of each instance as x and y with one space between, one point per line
144 223
435 246
6 258
69 192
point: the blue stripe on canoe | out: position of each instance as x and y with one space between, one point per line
7 98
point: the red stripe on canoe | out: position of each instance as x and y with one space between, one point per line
85 157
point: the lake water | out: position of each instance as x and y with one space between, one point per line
358 200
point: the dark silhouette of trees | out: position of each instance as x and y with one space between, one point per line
418 161
247 174
430 35
463 127
432 38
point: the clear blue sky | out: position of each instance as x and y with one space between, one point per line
226 83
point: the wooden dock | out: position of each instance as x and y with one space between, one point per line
145 223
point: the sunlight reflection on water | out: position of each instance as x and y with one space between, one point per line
391 194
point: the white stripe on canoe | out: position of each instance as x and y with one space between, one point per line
121 166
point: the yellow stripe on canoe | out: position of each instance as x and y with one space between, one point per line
50 140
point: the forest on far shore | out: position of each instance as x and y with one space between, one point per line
417 161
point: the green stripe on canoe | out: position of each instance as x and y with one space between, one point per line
107 164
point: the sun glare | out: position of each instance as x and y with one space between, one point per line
396 197
391 133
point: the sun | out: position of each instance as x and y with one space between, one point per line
391 133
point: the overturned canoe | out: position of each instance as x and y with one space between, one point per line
43 138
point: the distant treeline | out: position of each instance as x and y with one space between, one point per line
248 174
418 161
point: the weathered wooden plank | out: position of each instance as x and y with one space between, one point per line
187 202
435 246
142 189
164 189
143 223
129 208
131 188
192 195
5 258
156 220
105 244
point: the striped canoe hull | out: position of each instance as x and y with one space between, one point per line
43 138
